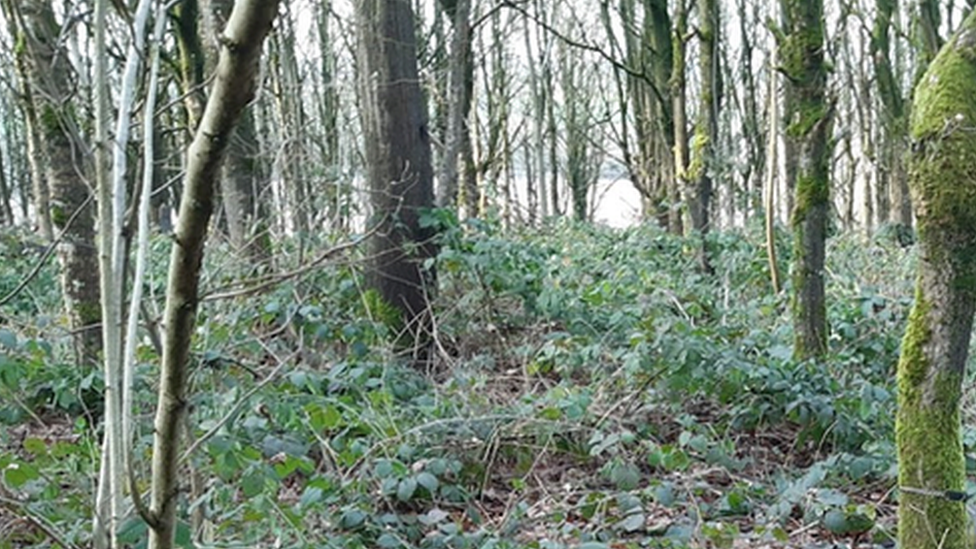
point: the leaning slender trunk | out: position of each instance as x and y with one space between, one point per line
771 166
233 89
679 112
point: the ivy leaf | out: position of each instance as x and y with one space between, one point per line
18 474
406 489
388 541
352 519
252 484
8 339
633 522
428 481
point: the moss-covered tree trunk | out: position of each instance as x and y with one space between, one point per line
47 72
679 109
942 175
801 55
199 24
706 123
400 174
648 50
186 15
659 55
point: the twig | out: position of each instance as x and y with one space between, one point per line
269 281
47 254
12 396
237 406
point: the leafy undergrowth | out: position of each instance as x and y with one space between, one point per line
588 389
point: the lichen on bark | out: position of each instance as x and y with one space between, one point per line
942 176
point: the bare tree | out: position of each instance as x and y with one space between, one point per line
892 179
397 142
233 89
460 87
705 138
808 114
61 164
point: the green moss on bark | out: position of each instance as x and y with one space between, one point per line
699 149
810 191
929 448
942 129
801 55
942 176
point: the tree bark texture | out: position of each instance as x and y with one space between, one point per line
679 109
398 160
240 186
705 136
460 87
233 89
894 122
48 74
942 172
192 58
801 55
925 33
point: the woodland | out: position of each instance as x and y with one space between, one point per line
487 274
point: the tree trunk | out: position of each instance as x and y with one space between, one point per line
790 146
71 211
397 142
582 168
706 126
241 175
752 126
240 187
35 148
801 54
648 50
535 148
328 103
931 467
293 122
458 102
233 89
660 57
107 499
192 59
894 122
925 27
5 208
549 88
679 112
771 169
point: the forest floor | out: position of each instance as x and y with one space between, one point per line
588 389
